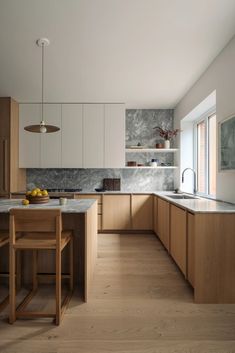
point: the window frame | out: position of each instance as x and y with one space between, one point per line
205 117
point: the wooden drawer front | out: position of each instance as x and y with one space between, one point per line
178 237
99 209
90 196
99 222
142 212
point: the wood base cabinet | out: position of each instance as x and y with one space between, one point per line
178 236
163 219
142 212
116 212
190 248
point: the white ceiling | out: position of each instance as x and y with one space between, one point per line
146 53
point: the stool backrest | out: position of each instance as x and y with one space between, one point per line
34 221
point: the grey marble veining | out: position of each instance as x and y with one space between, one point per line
89 179
139 128
140 124
73 206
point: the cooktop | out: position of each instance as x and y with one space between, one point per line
63 190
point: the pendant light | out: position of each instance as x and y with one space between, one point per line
42 127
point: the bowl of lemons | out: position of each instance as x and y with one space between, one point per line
37 196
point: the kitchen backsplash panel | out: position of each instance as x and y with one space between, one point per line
89 179
140 125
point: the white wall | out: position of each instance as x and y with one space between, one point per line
219 76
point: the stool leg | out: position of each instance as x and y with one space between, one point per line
71 264
58 286
35 270
12 289
18 270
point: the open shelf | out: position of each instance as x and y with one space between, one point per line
148 167
157 150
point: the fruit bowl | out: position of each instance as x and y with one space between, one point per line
38 199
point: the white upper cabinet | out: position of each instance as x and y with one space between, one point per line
72 136
29 143
90 136
93 136
51 143
114 127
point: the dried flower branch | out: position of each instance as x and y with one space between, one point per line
167 134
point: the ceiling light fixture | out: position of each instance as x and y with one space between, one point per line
42 127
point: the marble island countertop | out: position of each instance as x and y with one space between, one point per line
72 206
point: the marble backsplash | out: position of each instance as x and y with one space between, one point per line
89 179
139 128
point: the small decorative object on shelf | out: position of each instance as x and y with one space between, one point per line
131 164
167 135
159 145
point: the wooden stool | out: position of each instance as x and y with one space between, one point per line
41 229
4 240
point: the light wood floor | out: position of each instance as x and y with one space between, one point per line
140 303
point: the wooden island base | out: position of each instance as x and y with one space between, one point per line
84 227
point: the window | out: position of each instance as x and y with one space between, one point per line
205 154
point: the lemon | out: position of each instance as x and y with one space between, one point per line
25 202
37 190
39 193
44 193
34 193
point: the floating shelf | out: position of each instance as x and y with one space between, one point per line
157 150
148 167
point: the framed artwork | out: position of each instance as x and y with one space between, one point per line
227 144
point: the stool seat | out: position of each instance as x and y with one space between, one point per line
45 240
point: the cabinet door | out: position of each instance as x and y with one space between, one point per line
114 148
4 166
178 237
29 143
51 143
72 136
116 212
191 247
163 211
142 212
93 135
155 214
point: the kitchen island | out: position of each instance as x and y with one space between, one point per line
80 216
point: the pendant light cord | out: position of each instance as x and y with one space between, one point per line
42 81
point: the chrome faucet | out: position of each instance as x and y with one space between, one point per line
194 179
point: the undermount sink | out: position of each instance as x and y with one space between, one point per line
182 197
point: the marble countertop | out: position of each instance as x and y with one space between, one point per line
198 205
72 206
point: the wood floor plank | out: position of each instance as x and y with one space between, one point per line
140 303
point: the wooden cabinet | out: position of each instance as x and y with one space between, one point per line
99 199
114 136
11 177
93 135
51 143
72 136
163 212
116 212
155 214
142 212
190 248
178 239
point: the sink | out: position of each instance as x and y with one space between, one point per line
182 197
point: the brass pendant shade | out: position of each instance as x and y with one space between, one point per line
42 128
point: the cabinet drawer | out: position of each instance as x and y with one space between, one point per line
99 222
90 196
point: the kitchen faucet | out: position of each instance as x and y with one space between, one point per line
194 179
